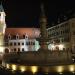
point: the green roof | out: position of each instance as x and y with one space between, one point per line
1 8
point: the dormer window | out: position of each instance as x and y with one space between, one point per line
9 37
25 36
17 36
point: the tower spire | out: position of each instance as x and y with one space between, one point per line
1 7
2 27
2 19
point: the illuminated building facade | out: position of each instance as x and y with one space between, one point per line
62 36
43 40
21 39
2 28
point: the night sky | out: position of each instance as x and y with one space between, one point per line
26 13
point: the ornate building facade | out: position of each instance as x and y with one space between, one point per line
62 36
21 39
2 28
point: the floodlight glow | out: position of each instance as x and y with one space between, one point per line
34 69
1 49
14 67
22 68
61 47
71 68
7 66
60 69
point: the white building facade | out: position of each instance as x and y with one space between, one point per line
20 41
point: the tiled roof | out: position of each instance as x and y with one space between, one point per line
31 32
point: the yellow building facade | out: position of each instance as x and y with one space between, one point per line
2 29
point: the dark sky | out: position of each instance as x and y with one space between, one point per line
26 13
